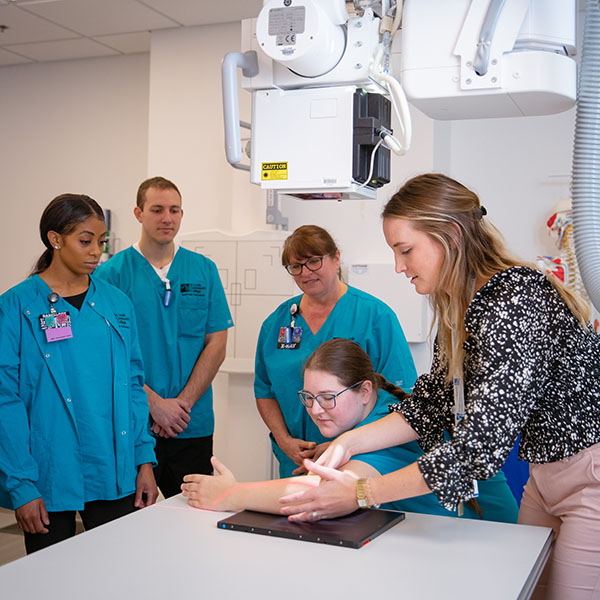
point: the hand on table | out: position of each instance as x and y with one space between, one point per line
210 491
334 497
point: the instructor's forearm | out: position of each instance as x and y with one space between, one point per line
405 483
391 430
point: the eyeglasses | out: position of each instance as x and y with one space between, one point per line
326 401
312 264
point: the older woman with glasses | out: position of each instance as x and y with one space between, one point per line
341 391
326 309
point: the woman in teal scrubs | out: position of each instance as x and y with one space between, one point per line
327 308
341 391
73 412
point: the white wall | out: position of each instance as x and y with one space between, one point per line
186 129
520 169
72 126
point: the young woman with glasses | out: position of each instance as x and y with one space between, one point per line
327 308
341 391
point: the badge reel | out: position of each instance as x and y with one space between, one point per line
290 337
56 325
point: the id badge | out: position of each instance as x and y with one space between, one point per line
56 326
289 338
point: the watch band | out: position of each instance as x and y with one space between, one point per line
361 493
364 495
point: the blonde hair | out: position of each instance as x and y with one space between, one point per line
474 250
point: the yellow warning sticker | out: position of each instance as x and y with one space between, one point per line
274 170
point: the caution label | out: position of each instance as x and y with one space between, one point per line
274 170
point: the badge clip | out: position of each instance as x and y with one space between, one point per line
56 325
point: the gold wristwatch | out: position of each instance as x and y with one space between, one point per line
361 493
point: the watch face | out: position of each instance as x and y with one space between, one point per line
362 503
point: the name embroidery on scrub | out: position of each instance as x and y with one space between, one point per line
192 289
290 337
56 325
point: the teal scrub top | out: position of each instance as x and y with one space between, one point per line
73 413
495 499
172 337
357 316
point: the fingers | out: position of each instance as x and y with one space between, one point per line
307 445
292 498
332 457
152 496
306 517
32 517
44 514
220 468
323 472
301 470
190 488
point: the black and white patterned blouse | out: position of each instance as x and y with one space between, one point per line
529 368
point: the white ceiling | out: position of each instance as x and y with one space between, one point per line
45 30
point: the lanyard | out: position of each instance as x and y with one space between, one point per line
293 313
459 400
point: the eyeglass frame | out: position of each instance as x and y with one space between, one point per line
304 264
303 396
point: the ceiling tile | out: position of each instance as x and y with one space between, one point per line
93 17
24 27
9 58
128 43
206 12
63 50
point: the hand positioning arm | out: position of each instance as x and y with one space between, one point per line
391 430
336 495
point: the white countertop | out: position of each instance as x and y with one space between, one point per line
173 551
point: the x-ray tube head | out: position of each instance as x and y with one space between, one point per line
300 35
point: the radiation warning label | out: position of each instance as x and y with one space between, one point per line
274 170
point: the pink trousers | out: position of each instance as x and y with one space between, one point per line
565 495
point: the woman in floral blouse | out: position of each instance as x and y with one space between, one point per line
514 354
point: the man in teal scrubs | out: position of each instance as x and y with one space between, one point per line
183 318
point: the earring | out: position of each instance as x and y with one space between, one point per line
57 247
